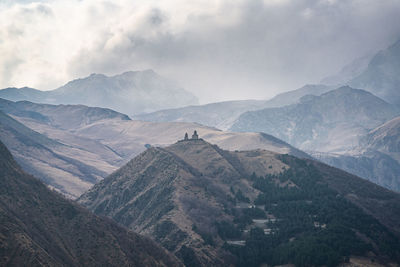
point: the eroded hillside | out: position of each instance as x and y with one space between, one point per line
209 206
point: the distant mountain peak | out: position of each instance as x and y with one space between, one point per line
341 91
150 71
95 75
381 76
318 122
346 89
308 98
131 92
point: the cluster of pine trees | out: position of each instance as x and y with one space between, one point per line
314 226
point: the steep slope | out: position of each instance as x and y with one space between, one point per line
223 114
199 201
60 116
373 165
24 93
67 169
292 97
376 159
385 138
130 92
161 193
382 76
348 72
40 228
332 122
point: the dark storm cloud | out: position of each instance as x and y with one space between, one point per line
232 49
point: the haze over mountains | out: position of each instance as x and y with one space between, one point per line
331 127
67 163
223 114
130 93
348 72
381 77
334 122
71 147
334 128
327 123
377 74
58 165
133 165
376 158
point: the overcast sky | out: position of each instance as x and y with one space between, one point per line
219 50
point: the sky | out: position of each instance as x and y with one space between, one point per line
218 50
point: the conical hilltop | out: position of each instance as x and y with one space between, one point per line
204 203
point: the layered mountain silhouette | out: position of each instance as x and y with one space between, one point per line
130 92
332 122
377 158
377 73
60 116
58 165
71 147
220 115
348 72
382 75
64 161
40 228
334 128
385 138
215 207
223 114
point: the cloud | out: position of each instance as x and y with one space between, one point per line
218 49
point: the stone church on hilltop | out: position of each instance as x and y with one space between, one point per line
195 136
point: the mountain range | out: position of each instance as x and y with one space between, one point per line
130 170
377 158
348 72
336 128
223 114
377 73
215 207
58 165
41 228
328 124
71 147
130 93
335 142
331 122
381 77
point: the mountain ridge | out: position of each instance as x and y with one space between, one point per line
223 114
51 159
381 76
94 142
319 121
39 227
377 158
181 193
130 92
175 172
